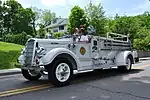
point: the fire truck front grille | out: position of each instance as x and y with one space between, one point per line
29 53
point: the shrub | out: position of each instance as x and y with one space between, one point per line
17 39
58 34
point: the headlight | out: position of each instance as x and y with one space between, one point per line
41 52
22 51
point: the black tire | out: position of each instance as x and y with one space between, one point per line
137 59
126 68
30 77
52 75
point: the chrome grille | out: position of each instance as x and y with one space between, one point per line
29 53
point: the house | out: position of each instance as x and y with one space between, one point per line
58 25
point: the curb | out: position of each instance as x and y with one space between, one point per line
10 72
141 59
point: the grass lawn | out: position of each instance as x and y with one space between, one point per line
9 54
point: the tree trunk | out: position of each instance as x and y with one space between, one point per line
34 29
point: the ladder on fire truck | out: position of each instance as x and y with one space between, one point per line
117 42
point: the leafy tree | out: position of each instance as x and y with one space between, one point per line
76 18
125 25
137 26
43 17
95 15
16 19
144 18
1 19
47 17
10 8
35 18
142 40
41 32
22 21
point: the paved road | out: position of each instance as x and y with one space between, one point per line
98 85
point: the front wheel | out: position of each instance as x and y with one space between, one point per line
127 67
31 75
60 73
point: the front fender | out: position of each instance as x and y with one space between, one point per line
52 54
122 56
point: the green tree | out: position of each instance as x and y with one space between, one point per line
16 19
43 17
47 16
76 18
125 25
35 18
10 8
95 15
144 18
142 40
22 21
1 19
41 32
137 26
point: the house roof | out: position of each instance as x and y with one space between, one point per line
59 22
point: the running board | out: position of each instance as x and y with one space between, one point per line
82 71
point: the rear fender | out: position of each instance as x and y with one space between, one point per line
122 56
60 52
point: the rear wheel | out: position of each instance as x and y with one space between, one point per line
31 75
137 59
60 73
128 65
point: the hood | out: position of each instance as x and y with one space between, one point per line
53 41
49 44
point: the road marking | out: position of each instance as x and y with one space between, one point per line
24 90
14 90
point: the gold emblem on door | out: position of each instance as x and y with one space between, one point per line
82 50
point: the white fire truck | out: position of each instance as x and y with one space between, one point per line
61 58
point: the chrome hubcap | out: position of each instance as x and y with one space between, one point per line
62 72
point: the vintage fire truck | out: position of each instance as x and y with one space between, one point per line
61 58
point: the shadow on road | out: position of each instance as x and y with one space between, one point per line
101 74
87 77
